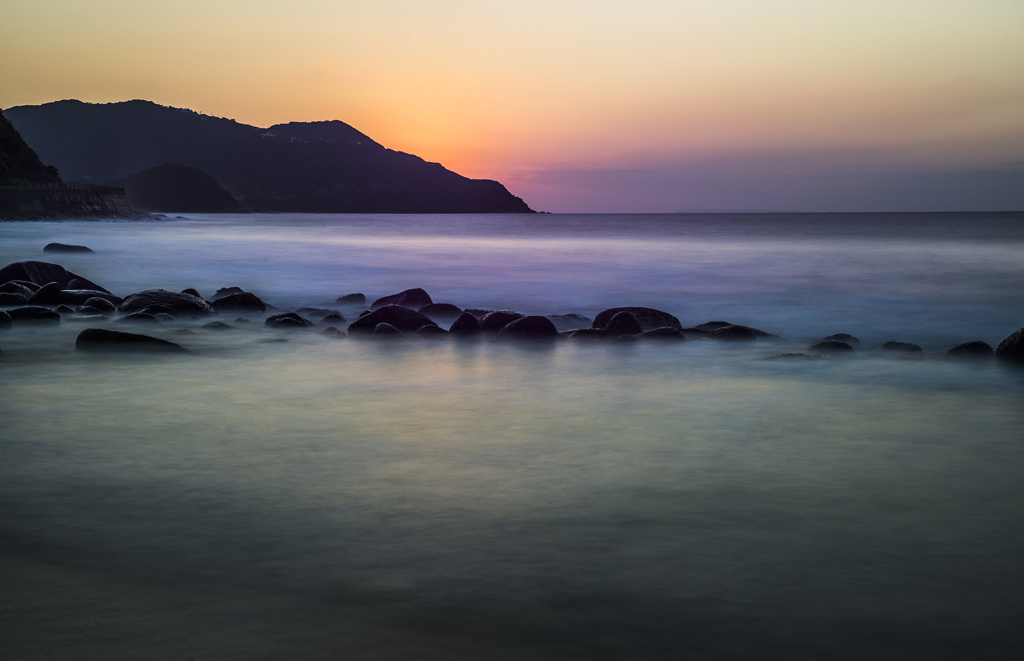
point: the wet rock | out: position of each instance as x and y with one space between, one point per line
218 326
15 288
352 299
31 286
80 296
402 318
64 247
441 311
387 329
34 314
8 298
410 298
976 349
242 320
901 347
227 291
5 319
842 337
649 318
364 313
466 324
178 303
48 294
193 292
288 320
158 309
479 314
572 321
87 310
317 313
63 309
74 284
101 304
433 331
41 273
664 333
624 323
589 334
492 322
164 317
531 326
333 319
713 326
138 318
1012 348
101 339
831 346
240 301
732 333
331 331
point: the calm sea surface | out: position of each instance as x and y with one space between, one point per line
322 498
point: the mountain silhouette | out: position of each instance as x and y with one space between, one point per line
19 164
317 167
177 189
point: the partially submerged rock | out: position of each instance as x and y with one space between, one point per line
336 333
193 292
8 298
1012 348
901 347
649 318
352 299
64 247
531 326
245 301
402 318
441 310
5 319
41 273
138 318
102 304
664 333
831 346
588 334
732 333
227 291
335 318
571 321
179 303
977 349
34 314
431 331
466 324
842 337
101 339
387 329
624 323
316 313
410 298
287 320
492 322
218 326
793 356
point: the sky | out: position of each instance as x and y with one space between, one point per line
596 106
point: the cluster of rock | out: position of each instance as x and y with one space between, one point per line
41 293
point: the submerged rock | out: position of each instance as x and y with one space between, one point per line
431 331
901 347
242 320
157 309
402 318
624 323
287 320
316 313
88 318
664 333
41 273
589 334
842 337
352 299
193 292
178 303
239 301
793 356
649 318
387 329
63 309
87 310
532 326
732 333
1012 348
331 331
64 247
410 298
227 291
492 322
218 326
831 346
976 349
101 304
571 321
34 314
333 319
138 318
441 311
101 339
466 324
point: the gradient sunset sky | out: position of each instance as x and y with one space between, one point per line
647 105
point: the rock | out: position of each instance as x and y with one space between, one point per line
1012 348
331 331
492 322
333 319
138 318
387 329
87 310
713 326
364 313
218 326
624 323
48 294
242 320
901 347
479 314
41 273
227 291
352 299
402 318
317 313
532 326
239 301
288 320
15 288
5 319
101 304
101 339
732 333
842 337
163 316
832 346
793 356
63 247
976 349
74 284
8 298
410 298
572 321
466 324
649 318
179 303
63 309
664 333
441 311
158 309
34 314
88 318
429 330
589 334
31 286
80 296
193 292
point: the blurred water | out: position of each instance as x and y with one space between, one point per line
567 500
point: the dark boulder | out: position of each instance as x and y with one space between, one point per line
532 326
831 346
242 320
466 324
387 330
31 286
492 322
288 320
429 330
331 331
101 339
588 334
41 273
649 318
713 326
15 288
218 326
227 291
1012 348
316 313
193 292
441 310
901 347
87 310
402 318
158 309
624 323
664 333
976 349
5 319
352 299
138 318
74 284
63 309
63 247
34 314
479 314
179 303
80 296
410 298
625 338
842 337
732 333
100 304
364 313
572 321
333 319
7 298
48 294
694 333
243 301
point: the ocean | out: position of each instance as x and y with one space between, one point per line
424 498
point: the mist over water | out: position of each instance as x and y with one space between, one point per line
492 500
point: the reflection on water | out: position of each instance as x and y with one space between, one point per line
563 500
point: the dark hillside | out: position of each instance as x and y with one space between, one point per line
18 163
171 188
